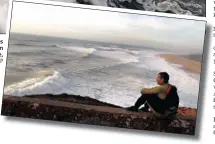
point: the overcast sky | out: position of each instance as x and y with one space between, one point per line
3 15
142 30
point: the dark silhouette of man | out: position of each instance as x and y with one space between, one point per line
163 99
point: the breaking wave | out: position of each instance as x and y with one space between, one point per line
79 49
43 82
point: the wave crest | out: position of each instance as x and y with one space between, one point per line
85 51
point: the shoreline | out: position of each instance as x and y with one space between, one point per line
187 63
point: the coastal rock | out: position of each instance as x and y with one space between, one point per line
85 110
187 7
88 2
171 7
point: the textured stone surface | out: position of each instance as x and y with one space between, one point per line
84 110
187 7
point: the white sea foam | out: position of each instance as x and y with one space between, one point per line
123 90
45 82
118 55
109 48
82 50
111 53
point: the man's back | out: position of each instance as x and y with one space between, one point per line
172 100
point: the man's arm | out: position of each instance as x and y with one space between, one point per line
154 90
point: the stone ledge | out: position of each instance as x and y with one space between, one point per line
100 113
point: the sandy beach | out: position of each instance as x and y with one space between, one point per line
189 62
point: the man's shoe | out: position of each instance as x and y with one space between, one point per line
132 108
144 109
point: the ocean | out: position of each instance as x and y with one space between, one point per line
112 73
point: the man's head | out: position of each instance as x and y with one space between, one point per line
162 78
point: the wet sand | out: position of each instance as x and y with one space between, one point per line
191 63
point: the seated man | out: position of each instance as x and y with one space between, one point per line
163 100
